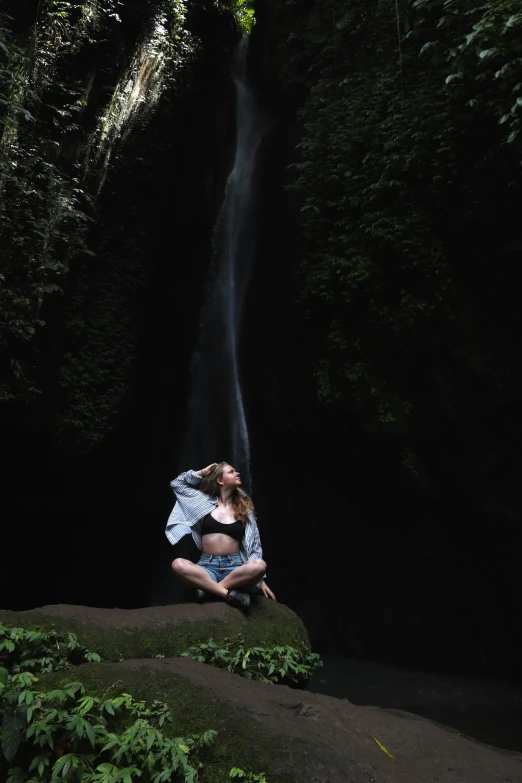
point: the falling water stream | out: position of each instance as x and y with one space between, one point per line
217 426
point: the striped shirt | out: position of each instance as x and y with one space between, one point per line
190 508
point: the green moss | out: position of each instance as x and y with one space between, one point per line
242 740
265 624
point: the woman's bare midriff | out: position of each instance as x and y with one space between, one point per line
219 544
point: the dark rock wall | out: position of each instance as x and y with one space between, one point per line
87 523
380 563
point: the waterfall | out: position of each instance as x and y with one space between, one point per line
217 426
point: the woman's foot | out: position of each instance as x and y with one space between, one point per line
237 598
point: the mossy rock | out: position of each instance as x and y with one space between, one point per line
119 634
198 705
294 736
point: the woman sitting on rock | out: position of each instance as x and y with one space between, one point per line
211 505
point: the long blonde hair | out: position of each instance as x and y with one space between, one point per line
242 503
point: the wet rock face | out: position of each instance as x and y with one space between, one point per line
295 736
117 634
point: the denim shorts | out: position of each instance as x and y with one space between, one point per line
220 566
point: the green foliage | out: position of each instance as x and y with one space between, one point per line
57 152
100 339
45 209
265 664
260 777
78 737
406 171
34 650
482 45
374 272
79 94
244 14
66 734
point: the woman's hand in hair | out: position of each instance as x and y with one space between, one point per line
267 591
206 471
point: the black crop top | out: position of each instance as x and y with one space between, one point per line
211 525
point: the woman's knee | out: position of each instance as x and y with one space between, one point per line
179 565
259 566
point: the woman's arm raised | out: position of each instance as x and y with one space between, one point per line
185 484
206 471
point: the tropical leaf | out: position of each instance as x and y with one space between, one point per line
10 736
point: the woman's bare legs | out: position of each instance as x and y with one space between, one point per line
241 578
245 576
195 576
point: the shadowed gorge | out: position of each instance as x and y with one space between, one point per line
376 338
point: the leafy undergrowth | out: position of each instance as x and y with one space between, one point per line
67 734
265 664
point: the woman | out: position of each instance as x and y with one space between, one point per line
211 505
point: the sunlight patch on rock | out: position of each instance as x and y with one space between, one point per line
138 90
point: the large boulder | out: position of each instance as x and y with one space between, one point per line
295 736
118 634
